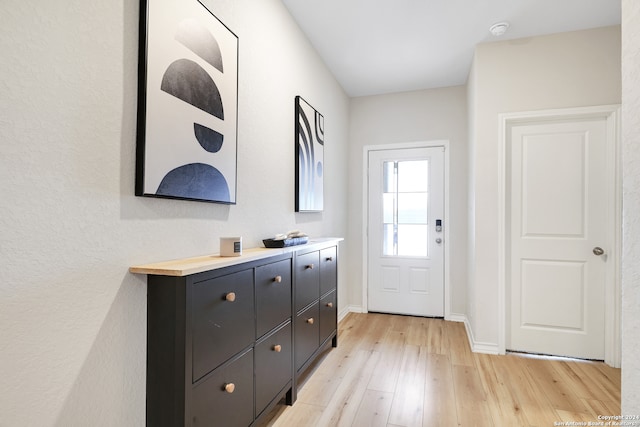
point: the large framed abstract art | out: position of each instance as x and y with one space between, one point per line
187 103
309 137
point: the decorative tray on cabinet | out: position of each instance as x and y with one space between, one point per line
293 241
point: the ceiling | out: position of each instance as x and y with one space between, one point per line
384 46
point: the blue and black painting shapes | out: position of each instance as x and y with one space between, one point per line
209 139
319 129
307 143
200 41
307 154
188 81
195 181
319 138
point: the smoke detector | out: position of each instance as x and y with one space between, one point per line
499 29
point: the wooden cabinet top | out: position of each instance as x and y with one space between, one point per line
187 266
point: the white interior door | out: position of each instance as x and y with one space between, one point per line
558 237
405 231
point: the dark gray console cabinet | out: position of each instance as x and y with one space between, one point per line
316 314
225 343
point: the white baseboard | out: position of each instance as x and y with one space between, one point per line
456 317
476 346
349 309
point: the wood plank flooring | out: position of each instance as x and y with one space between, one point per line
407 371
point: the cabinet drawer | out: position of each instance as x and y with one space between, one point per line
273 295
306 334
328 316
216 403
273 366
307 287
328 269
223 319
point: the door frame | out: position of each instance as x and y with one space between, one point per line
365 214
611 113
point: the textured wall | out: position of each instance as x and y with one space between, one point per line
72 319
631 207
575 69
408 117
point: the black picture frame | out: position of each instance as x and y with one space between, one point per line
187 133
309 140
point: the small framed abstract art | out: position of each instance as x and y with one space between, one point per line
187 103
309 139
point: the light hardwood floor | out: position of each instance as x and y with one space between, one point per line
410 371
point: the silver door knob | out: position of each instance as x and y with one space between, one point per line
438 240
598 251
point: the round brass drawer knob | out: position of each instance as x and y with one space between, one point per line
310 320
277 348
329 304
231 296
277 279
229 388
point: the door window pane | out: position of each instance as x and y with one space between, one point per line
405 203
389 177
388 208
412 208
389 240
413 176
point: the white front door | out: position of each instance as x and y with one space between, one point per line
558 237
406 231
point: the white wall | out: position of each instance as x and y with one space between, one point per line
470 309
426 115
72 319
573 69
631 203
